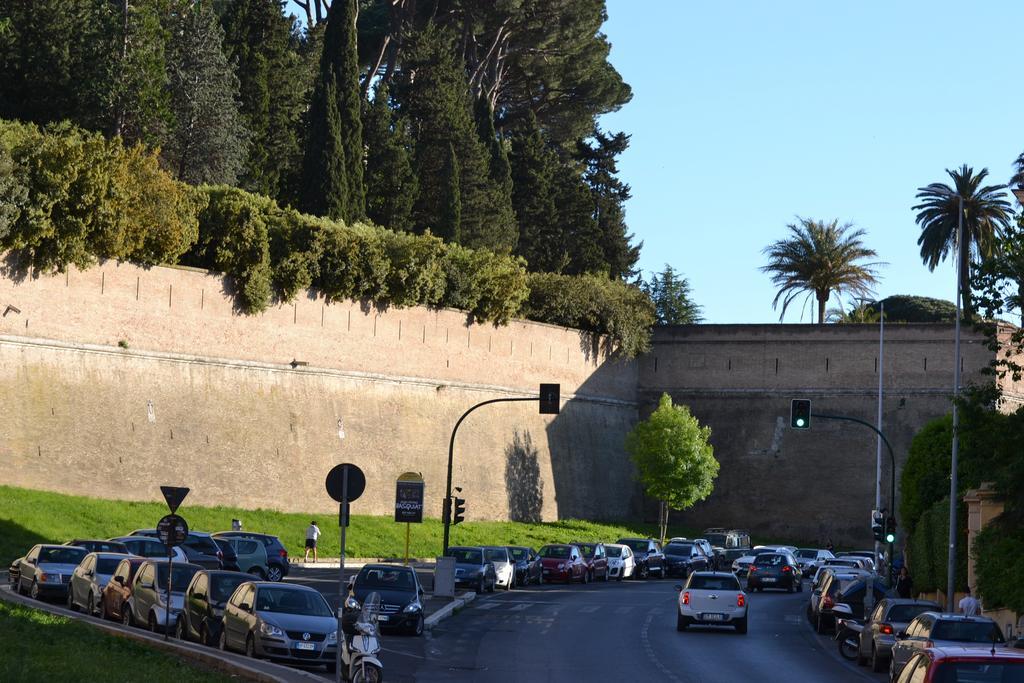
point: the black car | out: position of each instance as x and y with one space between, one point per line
99 546
528 566
199 548
844 589
228 555
683 558
648 555
45 570
472 568
400 597
774 570
277 554
203 612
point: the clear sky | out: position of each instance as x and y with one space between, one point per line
748 113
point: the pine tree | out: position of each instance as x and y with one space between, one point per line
209 140
673 303
337 95
502 223
259 41
450 225
533 167
391 185
577 240
609 196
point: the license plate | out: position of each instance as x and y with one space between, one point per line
382 617
712 616
305 646
768 579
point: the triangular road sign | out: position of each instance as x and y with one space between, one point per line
174 495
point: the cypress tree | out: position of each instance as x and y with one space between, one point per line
502 221
577 240
391 185
337 95
609 195
450 225
533 167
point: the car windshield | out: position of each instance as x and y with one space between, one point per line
613 551
636 544
107 565
587 549
908 612
716 539
181 574
292 601
678 548
807 553
62 555
203 544
713 583
222 586
770 560
519 554
980 672
558 552
466 555
966 631
398 578
495 554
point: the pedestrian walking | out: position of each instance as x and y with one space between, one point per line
312 534
829 547
969 605
904 584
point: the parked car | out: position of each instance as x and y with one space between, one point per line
401 594
647 555
563 562
528 566
471 569
250 556
728 544
596 558
277 554
822 579
741 565
199 547
89 579
775 570
867 555
45 570
712 599
889 617
504 567
949 664
280 621
621 563
941 629
703 544
205 598
148 605
144 546
99 546
114 599
837 589
229 558
684 557
810 559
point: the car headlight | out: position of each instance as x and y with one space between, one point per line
413 606
332 637
351 603
271 630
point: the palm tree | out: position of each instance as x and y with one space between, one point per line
986 215
861 312
820 258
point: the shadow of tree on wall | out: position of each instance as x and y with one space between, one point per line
522 479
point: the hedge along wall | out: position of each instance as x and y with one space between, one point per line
999 565
68 196
928 549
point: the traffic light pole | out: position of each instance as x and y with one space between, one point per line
451 454
892 458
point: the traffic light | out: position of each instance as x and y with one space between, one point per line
890 529
446 511
549 403
460 511
800 413
877 525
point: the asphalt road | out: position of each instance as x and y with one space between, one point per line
616 631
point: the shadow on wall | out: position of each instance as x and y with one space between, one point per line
522 479
16 540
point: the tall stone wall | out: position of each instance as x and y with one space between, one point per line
117 379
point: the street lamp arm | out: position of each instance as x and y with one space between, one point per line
892 456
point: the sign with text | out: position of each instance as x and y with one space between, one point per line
409 498
172 530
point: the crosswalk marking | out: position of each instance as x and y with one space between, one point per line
487 605
589 609
520 607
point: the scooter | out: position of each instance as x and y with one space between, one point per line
848 631
359 652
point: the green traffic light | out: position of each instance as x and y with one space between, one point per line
889 538
800 422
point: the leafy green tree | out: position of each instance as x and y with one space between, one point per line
673 304
533 167
334 187
673 457
609 196
391 184
259 40
820 258
13 194
987 214
209 140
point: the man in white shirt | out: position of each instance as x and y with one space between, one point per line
312 534
969 605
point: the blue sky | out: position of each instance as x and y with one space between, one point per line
746 114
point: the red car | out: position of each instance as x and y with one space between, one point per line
114 598
563 562
978 663
596 558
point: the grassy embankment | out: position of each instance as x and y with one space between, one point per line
39 646
28 517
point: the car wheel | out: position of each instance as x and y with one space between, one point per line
71 600
877 663
222 643
34 591
490 587
645 571
819 625
180 632
258 573
481 586
417 627
540 578
151 622
91 605
681 622
741 626
250 647
606 575
104 615
126 615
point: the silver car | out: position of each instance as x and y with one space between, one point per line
889 617
712 599
504 567
87 581
148 604
941 629
278 621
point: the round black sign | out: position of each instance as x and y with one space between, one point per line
172 529
336 478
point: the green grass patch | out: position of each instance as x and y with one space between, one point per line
39 646
28 517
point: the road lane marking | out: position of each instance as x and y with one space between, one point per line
589 609
520 607
625 609
649 649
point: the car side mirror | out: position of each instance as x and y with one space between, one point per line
245 607
31 561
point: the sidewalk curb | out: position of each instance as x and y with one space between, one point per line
230 663
359 563
449 609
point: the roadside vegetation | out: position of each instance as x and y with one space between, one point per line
39 646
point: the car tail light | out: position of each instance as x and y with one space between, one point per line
827 602
753 569
740 600
686 598
787 569
283 553
885 628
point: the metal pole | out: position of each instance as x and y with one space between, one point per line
878 423
167 612
953 484
407 525
343 520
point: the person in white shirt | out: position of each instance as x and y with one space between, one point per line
312 534
969 605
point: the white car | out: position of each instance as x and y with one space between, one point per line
621 563
504 565
741 564
712 599
810 559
